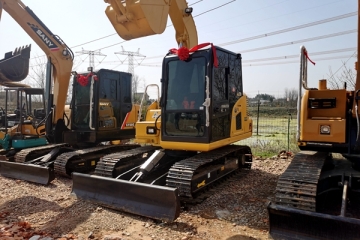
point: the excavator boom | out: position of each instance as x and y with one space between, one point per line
56 50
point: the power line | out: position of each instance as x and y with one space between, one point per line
297 55
265 19
208 11
91 55
299 41
256 60
195 2
94 40
130 55
291 28
287 62
286 43
214 8
236 41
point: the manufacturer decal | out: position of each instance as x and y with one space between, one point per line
130 125
201 184
44 38
155 115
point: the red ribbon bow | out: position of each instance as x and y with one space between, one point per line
84 80
184 53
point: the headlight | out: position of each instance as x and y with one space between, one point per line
150 130
324 129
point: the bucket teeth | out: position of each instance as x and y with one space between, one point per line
15 65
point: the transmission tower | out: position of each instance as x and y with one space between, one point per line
131 56
92 56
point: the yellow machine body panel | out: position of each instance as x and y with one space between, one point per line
246 122
143 134
25 129
314 117
131 118
146 132
106 115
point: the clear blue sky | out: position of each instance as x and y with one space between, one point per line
77 22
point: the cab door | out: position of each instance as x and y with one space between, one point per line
220 107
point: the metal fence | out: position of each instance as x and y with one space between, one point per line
274 129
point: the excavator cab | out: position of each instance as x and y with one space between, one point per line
101 108
24 127
200 99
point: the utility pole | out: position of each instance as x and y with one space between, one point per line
91 56
131 56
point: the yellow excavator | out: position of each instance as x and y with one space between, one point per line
23 128
188 132
318 195
101 108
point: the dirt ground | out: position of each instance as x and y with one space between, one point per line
236 210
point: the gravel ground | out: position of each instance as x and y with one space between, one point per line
236 210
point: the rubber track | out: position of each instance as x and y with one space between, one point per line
107 164
297 186
181 173
62 161
28 154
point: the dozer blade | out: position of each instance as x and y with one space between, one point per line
291 223
28 172
146 200
15 65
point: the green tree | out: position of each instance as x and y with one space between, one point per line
264 96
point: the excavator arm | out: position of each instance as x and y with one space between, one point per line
133 19
57 51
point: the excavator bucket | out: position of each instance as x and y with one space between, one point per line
27 171
152 201
15 65
135 19
291 223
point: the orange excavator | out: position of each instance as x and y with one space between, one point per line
318 195
101 108
188 132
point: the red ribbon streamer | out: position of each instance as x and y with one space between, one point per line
184 53
307 56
